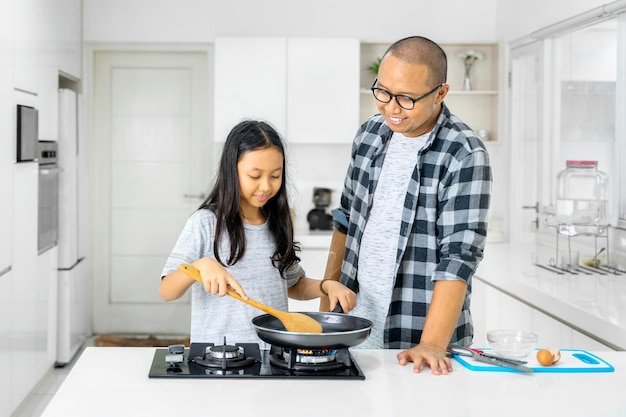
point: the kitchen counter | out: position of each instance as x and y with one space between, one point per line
314 239
594 305
113 381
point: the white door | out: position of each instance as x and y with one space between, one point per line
150 157
526 141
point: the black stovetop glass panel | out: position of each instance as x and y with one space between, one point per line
256 365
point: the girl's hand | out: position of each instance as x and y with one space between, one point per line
339 294
216 278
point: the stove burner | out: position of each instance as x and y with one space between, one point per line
308 360
223 357
225 351
308 356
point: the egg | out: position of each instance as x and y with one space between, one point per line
549 356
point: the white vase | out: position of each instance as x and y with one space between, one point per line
467 81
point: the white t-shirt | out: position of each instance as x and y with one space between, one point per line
214 317
379 245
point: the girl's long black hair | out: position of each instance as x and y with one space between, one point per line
224 199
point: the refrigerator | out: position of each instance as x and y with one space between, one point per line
73 316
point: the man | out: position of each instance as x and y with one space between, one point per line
411 226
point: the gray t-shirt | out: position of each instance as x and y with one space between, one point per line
214 317
379 245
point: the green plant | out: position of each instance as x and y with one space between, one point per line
374 67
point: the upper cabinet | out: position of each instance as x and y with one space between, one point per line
47 44
476 104
322 85
291 83
32 35
250 83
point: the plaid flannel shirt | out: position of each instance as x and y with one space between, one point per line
443 227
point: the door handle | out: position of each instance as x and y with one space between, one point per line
535 207
200 196
534 225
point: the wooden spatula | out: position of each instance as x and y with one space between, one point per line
293 322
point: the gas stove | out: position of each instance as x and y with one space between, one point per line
248 360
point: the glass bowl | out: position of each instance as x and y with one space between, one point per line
512 343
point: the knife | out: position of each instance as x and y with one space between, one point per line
463 351
489 355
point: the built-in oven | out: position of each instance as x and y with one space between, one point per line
48 210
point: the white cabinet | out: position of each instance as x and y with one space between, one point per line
31 333
39 39
35 58
6 207
250 76
322 90
6 210
477 107
10 366
291 83
22 336
47 42
7 149
493 309
28 18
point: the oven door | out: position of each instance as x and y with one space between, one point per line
48 222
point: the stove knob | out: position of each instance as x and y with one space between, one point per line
176 348
174 359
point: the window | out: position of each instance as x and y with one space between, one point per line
568 98
585 77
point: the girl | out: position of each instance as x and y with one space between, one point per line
242 236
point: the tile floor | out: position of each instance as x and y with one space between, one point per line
37 401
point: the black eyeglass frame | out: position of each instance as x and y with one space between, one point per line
392 96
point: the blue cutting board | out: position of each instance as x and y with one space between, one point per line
572 360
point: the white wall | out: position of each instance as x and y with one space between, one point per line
371 21
516 19
202 20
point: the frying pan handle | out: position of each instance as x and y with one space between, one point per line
338 309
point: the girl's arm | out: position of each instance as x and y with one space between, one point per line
308 288
174 285
215 277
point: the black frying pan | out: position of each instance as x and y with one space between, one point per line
339 331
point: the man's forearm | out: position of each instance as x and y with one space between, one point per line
443 313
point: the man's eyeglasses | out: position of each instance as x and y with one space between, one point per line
406 102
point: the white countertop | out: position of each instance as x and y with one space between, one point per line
593 304
113 381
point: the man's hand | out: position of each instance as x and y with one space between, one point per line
429 355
